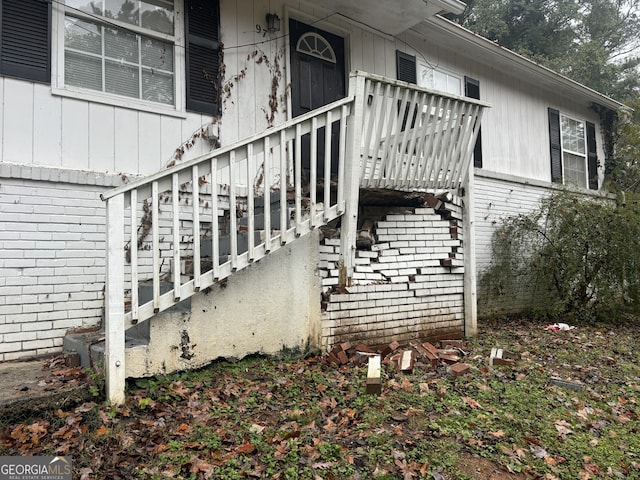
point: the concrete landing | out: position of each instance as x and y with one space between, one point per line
29 386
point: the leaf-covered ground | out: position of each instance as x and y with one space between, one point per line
568 409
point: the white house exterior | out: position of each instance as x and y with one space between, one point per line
102 93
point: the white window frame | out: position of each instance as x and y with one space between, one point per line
423 68
58 86
585 155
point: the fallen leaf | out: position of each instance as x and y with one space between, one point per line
471 402
538 451
255 428
245 448
497 434
563 428
592 468
506 450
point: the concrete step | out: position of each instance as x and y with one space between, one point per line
89 345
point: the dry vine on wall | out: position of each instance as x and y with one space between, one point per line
276 103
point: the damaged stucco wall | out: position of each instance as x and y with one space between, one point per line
407 284
270 306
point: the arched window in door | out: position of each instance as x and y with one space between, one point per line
314 44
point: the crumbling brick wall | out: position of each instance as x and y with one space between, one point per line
408 281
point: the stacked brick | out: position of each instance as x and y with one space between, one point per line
408 285
52 261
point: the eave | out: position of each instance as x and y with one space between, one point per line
392 17
477 48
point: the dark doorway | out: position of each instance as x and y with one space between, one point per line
317 78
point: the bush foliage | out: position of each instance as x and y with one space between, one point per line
574 257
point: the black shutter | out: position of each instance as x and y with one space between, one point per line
472 90
555 147
202 27
406 67
592 156
406 70
25 39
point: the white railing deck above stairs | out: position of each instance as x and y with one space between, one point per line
389 135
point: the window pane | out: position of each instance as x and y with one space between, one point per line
81 35
573 135
83 71
575 170
122 79
440 81
158 16
89 6
157 87
454 85
157 54
425 76
124 10
121 45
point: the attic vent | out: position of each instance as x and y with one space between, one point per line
314 44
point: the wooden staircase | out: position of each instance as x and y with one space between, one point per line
212 207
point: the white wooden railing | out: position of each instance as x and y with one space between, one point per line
389 135
415 138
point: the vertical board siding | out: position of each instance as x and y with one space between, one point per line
17 146
47 131
230 128
75 134
170 138
126 141
2 115
149 159
61 131
101 136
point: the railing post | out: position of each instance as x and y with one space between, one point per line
352 178
114 301
470 282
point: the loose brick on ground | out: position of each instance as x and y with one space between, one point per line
459 369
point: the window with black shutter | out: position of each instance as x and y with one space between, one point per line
202 26
572 144
25 39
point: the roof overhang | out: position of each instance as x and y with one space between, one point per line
463 42
392 17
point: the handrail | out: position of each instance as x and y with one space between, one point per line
227 149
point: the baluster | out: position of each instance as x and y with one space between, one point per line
133 256
195 181
155 245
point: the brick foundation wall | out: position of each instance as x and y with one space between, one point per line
499 197
408 285
52 257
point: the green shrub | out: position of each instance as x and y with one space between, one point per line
574 257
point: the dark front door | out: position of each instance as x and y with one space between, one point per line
317 78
